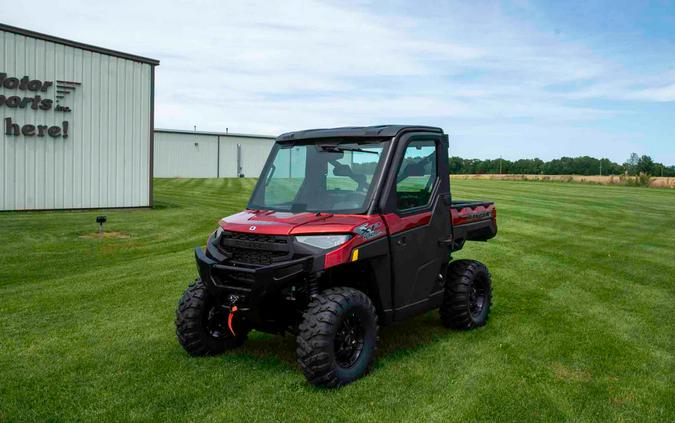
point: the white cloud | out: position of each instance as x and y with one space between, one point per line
664 93
270 67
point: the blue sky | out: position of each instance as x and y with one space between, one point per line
512 79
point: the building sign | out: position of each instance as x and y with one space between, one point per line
30 94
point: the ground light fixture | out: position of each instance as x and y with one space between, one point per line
101 220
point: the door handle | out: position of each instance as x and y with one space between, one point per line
445 242
401 242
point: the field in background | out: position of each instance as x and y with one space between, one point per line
652 182
582 326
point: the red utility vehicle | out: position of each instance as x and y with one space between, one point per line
347 229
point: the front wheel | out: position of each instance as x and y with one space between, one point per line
468 295
201 323
337 337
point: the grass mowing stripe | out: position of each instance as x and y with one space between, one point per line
581 327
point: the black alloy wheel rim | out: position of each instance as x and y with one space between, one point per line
477 297
349 341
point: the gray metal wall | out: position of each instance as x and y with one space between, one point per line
185 155
105 160
188 154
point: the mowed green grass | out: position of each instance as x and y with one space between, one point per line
582 326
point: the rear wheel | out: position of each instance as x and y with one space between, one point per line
337 337
468 295
201 323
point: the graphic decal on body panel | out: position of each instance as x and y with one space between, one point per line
370 230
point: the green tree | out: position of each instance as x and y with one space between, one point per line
645 165
631 164
584 165
455 164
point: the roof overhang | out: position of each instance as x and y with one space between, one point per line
76 44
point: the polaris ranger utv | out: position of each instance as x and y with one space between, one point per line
347 229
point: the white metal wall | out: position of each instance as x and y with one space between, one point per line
105 160
254 152
187 154
179 155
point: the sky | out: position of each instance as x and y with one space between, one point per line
511 79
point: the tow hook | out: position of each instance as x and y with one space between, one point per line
230 318
232 299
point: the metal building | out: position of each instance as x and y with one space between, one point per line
192 154
77 124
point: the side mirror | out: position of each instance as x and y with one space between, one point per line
415 169
360 179
340 169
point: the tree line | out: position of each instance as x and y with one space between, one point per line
584 165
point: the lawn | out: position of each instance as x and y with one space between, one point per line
582 328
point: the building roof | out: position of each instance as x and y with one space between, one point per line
76 44
382 131
225 134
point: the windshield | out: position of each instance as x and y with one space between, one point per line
333 178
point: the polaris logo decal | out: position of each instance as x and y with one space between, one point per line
369 231
476 215
252 228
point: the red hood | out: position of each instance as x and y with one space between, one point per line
268 222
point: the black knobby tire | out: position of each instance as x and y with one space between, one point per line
337 337
201 325
468 295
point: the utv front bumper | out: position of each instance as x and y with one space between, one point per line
249 285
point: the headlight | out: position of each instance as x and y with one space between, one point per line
214 235
323 241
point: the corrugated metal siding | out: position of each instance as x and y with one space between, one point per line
185 155
176 155
104 162
254 153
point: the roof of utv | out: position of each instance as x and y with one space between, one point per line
383 131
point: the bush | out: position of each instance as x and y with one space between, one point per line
642 180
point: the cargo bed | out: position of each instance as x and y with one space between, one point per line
472 221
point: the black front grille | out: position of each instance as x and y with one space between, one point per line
272 239
254 249
243 255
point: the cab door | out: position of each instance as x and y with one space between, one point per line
418 220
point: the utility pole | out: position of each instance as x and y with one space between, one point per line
600 167
500 165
